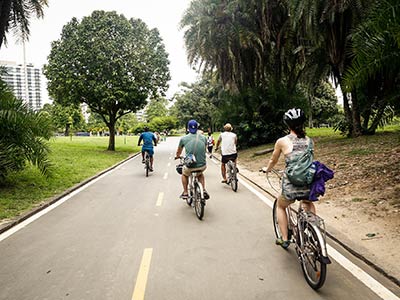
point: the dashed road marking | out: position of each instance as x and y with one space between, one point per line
141 280
165 176
160 199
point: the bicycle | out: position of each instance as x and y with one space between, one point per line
231 171
306 231
146 163
195 191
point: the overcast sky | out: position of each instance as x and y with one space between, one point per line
162 14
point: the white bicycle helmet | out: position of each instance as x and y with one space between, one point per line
294 117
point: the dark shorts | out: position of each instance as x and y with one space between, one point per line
226 158
148 150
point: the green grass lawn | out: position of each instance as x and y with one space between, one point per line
74 160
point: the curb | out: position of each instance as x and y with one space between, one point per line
56 198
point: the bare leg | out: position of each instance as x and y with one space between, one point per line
223 171
185 181
202 180
151 162
308 206
282 219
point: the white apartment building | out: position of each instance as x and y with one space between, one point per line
26 87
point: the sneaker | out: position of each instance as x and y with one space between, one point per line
237 170
206 195
224 181
143 161
282 243
151 169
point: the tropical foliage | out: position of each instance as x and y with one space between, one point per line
108 62
271 55
15 15
23 135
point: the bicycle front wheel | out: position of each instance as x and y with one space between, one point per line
198 201
314 269
147 167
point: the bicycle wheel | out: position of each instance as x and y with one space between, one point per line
198 201
147 167
314 269
189 199
277 230
233 180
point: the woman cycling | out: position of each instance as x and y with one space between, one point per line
292 144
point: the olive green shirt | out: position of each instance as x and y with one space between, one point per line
195 144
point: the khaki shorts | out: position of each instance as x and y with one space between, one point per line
187 171
285 201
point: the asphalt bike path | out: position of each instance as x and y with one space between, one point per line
125 236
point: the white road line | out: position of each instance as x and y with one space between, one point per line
357 272
160 199
141 280
36 216
165 176
169 164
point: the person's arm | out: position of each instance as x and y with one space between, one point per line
154 140
140 139
218 143
275 155
178 152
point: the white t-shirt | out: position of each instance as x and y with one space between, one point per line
228 145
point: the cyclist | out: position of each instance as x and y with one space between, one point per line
148 138
228 142
194 143
210 143
293 143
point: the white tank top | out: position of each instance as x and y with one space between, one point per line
228 145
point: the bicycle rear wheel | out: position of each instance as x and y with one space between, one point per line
314 269
234 180
147 167
189 199
277 230
198 201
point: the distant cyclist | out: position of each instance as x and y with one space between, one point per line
193 143
292 144
210 143
228 142
148 138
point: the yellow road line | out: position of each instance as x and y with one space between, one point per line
141 280
160 198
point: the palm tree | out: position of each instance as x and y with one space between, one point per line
15 15
329 24
23 135
376 64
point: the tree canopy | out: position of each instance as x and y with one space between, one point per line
108 62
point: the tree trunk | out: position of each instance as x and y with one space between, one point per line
356 119
111 140
347 113
67 127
